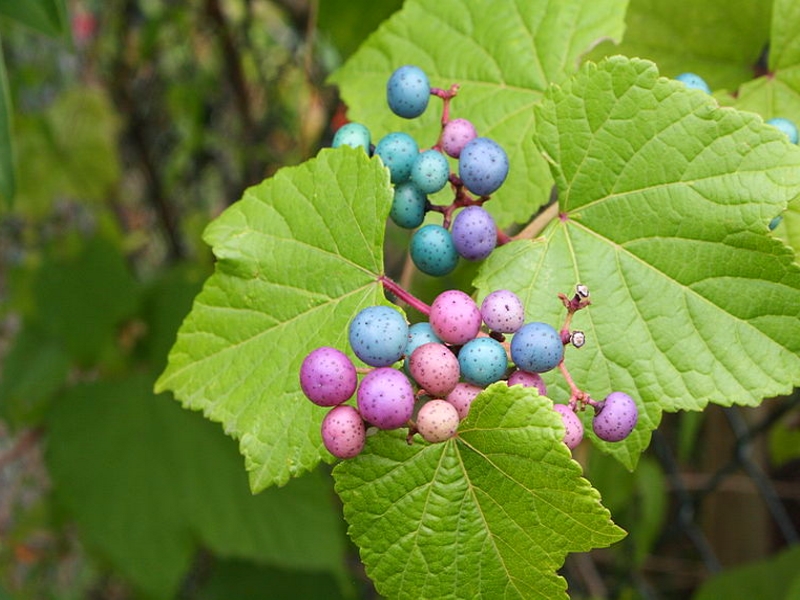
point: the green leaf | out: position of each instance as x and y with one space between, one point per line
720 41
297 257
502 53
770 578
7 177
665 201
491 513
348 22
46 16
148 483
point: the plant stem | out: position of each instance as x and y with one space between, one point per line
404 295
536 226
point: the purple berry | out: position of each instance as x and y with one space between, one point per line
328 377
385 398
482 166
455 317
474 233
573 433
527 379
437 421
343 431
615 417
456 134
435 368
462 396
502 311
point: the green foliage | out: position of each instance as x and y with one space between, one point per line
491 513
7 179
46 16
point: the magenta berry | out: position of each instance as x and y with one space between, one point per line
615 417
455 317
437 421
502 311
573 433
462 396
528 379
328 376
343 431
435 368
456 134
385 398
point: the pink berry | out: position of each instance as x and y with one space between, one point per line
437 421
455 317
615 417
343 431
328 377
573 433
435 368
528 379
462 396
385 398
455 136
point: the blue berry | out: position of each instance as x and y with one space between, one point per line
482 166
397 151
408 205
378 335
408 91
694 81
430 171
786 126
432 250
536 347
474 233
482 361
355 135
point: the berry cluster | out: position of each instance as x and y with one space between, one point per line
467 230
425 376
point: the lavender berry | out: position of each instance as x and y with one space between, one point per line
343 431
527 379
328 376
455 317
615 417
385 398
474 233
456 134
573 427
502 311
437 421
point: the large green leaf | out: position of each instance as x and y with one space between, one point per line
297 257
665 201
7 177
491 513
721 41
148 483
502 53
47 16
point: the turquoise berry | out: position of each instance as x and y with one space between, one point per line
432 250
430 171
786 126
482 361
408 91
408 205
398 151
355 135
694 81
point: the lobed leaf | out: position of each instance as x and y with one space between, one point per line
297 257
665 200
491 513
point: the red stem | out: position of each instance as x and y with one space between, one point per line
404 295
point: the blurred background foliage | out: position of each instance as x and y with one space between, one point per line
125 127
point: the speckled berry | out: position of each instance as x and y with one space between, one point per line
432 250
435 369
527 379
694 81
462 396
483 166
354 135
437 421
409 205
536 347
573 433
615 417
455 317
456 134
408 91
378 335
430 171
343 431
474 233
397 151
502 311
385 398
483 361
328 376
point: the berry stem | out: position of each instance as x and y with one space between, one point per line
404 296
446 96
535 227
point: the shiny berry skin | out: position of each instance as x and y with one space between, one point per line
430 171
615 417
474 233
328 376
343 431
456 134
437 421
462 396
536 347
483 166
378 335
694 81
409 205
527 379
573 433
483 361
454 317
408 91
786 126
435 369
502 311
397 151
385 398
354 135
432 250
